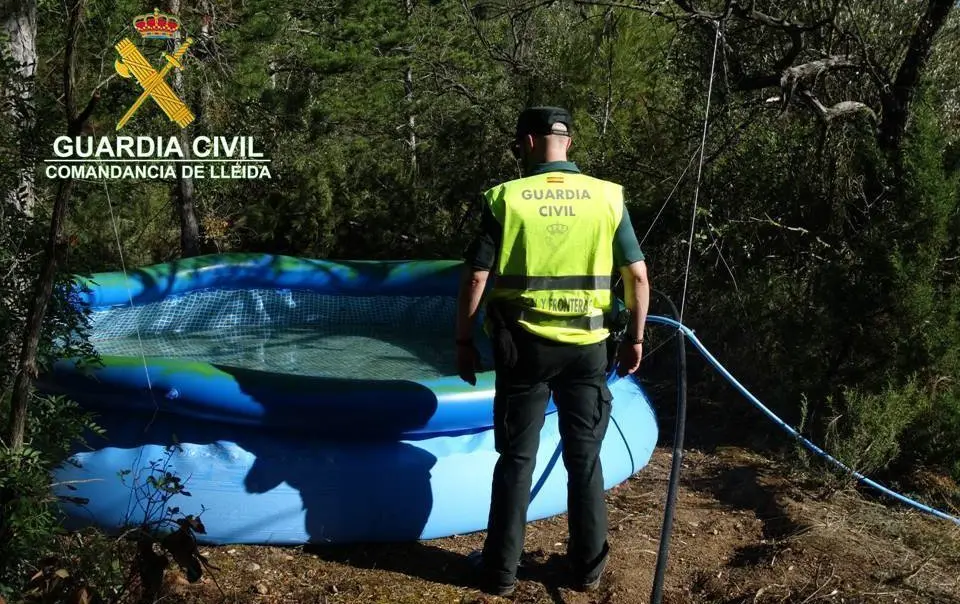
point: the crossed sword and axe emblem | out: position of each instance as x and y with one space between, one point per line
132 62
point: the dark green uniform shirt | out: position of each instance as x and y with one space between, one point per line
482 251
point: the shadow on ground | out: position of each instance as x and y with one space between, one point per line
746 487
414 559
427 562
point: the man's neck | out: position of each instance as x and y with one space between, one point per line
547 159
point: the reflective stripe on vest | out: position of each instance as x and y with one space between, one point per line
589 323
549 283
556 253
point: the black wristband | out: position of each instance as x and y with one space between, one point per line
631 339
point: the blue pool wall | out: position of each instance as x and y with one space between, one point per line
256 486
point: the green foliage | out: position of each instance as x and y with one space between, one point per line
44 564
867 430
29 516
932 438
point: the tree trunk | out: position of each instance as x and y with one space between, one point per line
43 289
189 227
411 118
896 103
408 89
183 194
20 25
609 34
206 43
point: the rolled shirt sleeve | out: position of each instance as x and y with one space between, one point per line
482 252
626 247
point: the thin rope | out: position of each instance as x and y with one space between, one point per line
126 277
656 218
676 185
696 191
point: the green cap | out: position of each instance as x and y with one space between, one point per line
540 120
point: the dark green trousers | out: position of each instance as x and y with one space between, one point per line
576 375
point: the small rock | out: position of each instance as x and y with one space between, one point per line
334 590
261 589
288 558
253 566
231 551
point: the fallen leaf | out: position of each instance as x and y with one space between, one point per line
82 596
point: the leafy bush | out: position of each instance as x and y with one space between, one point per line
867 429
934 438
29 513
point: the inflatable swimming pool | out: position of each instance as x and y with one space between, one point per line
313 401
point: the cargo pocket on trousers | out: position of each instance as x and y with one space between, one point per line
602 414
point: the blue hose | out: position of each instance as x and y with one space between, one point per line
809 445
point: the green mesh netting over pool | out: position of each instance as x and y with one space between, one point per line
289 331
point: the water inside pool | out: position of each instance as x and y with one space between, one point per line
372 353
369 337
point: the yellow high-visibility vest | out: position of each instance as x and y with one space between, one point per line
556 256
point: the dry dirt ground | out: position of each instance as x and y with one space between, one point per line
747 530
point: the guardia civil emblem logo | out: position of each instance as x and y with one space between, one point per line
556 234
132 63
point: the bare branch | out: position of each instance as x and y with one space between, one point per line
843 108
795 31
750 13
880 77
805 76
494 51
637 7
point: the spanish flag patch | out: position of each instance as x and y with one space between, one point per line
555 179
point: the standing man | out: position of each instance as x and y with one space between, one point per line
552 239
